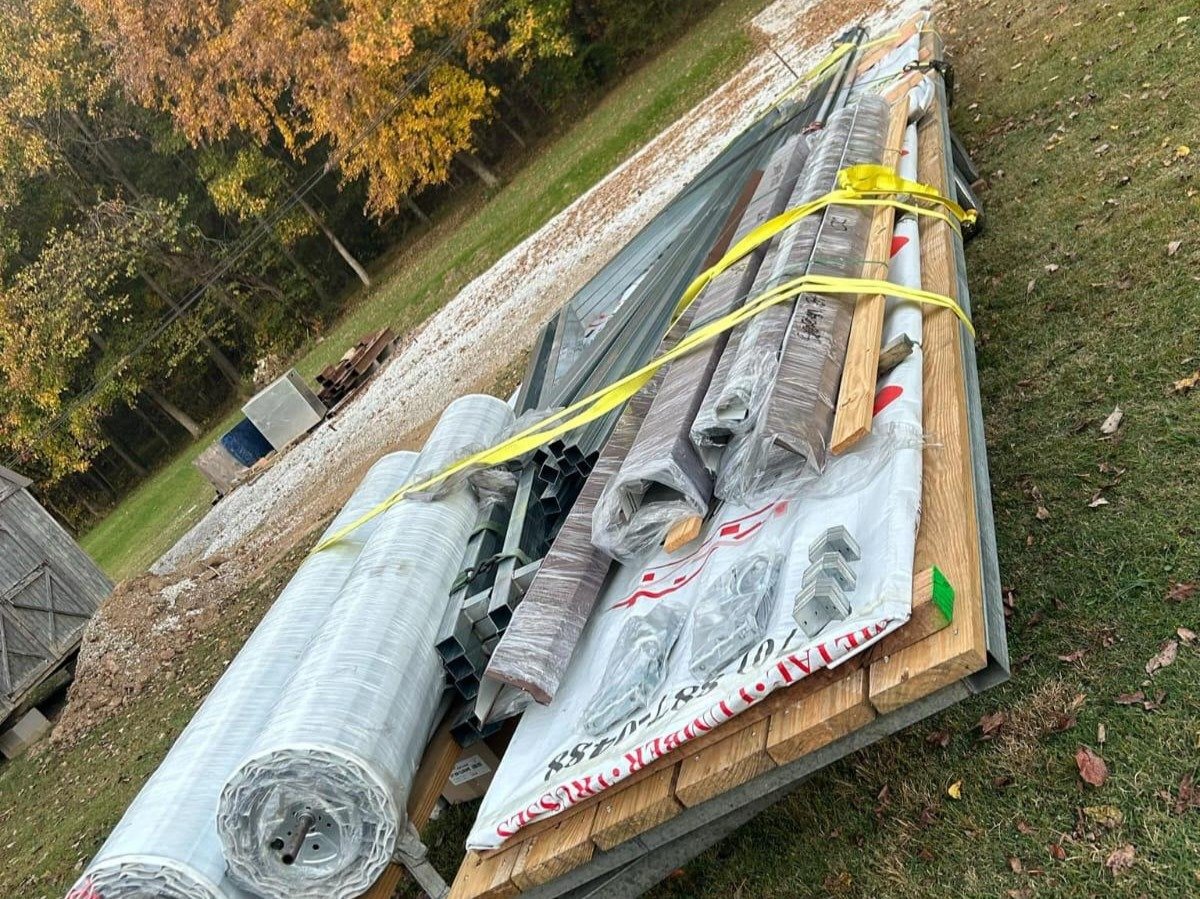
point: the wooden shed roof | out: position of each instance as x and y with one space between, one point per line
11 482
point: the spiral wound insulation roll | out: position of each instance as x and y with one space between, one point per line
166 844
314 810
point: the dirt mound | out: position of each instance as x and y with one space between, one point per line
138 635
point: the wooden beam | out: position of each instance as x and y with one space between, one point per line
486 878
682 533
856 397
756 713
827 715
631 812
710 772
949 533
563 848
928 617
432 777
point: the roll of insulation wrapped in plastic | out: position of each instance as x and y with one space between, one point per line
166 845
315 808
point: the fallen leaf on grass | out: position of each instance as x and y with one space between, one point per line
939 738
1062 721
1003 781
1072 656
1183 385
1042 513
1101 734
991 723
1105 815
1186 634
1097 501
1113 422
1178 592
954 791
1173 247
1029 287
1120 859
1092 768
1164 658
1015 864
1052 268
1057 852
1188 797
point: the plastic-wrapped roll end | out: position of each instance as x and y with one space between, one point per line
144 877
307 824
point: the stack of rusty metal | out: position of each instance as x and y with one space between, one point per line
348 374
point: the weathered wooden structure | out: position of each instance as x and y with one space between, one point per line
49 589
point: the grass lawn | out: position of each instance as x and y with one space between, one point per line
1076 115
463 243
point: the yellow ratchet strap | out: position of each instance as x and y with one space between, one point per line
605 400
859 185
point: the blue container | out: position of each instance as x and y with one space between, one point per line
246 443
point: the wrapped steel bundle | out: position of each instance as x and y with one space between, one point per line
537 646
664 479
315 808
710 432
792 428
166 845
848 139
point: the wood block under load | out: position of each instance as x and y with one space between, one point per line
827 715
633 811
928 616
949 532
486 878
558 850
723 766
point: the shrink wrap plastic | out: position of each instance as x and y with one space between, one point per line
711 432
337 757
166 845
873 492
664 479
790 393
539 641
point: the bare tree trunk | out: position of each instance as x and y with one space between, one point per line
417 211
481 171
81 493
512 132
123 452
224 365
346 255
519 113
304 270
149 422
181 418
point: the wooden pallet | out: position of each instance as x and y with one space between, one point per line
922 657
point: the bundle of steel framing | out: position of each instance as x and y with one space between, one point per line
610 328
292 779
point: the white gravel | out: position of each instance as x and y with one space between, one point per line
473 336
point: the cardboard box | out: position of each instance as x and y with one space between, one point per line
472 774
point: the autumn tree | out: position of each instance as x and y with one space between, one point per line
391 92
